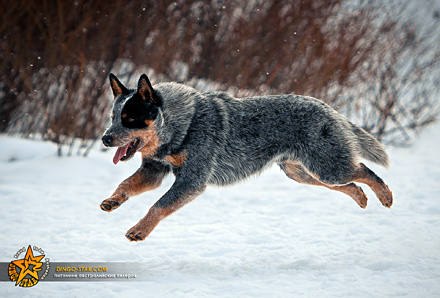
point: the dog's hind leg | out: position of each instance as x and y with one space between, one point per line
367 176
354 191
297 172
148 177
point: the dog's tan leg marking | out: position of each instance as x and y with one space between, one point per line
147 224
367 176
354 191
132 186
297 172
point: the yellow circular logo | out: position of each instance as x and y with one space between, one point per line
25 271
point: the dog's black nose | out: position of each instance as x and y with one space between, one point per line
107 140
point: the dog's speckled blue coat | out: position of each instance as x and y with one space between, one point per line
223 140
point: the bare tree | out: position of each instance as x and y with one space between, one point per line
395 92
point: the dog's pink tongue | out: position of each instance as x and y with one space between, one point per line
120 153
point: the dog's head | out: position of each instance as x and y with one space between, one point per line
133 119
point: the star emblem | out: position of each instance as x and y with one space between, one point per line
28 265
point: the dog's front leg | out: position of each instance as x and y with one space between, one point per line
182 192
148 177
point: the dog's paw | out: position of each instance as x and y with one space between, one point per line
113 202
361 198
136 233
109 205
386 197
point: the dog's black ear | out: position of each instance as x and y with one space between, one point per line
117 86
146 91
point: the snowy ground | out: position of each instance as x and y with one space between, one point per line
266 237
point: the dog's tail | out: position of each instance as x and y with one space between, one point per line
370 148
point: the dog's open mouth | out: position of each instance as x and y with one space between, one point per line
126 152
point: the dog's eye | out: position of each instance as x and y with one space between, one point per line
130 119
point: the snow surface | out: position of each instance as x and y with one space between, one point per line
265 237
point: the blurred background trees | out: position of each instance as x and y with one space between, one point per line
376 62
